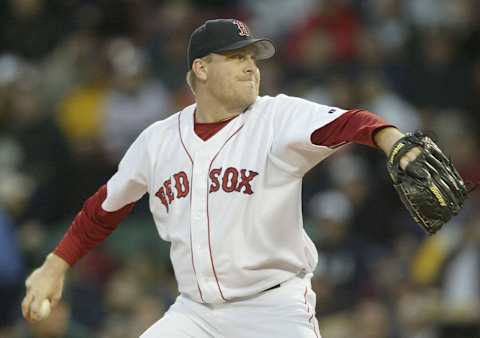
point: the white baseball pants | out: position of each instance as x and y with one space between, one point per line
283 312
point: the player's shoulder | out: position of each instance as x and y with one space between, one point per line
266 104
265 101
283 102
164 124
161 128
279 98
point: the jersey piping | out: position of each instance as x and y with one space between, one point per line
208 216
191 193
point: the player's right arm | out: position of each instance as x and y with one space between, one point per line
99 217
44 283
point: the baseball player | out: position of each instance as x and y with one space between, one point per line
224 180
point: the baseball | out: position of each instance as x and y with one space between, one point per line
45 309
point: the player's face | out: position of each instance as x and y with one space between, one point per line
234 78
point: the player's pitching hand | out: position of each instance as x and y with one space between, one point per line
44 288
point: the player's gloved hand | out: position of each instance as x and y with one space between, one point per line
44 288
429 185
410 156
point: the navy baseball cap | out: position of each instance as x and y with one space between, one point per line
223 35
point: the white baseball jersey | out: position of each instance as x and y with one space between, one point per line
231 205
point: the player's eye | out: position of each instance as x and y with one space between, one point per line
242 57
239 57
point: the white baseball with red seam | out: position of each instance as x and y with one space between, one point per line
45 309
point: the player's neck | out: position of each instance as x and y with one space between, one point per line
208 111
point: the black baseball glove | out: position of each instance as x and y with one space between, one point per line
430 186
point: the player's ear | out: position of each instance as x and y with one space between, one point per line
199 67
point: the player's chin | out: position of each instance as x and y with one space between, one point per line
244 96
248 101
249 96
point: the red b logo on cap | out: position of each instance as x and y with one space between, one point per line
242 28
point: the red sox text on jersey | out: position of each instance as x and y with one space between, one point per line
231 179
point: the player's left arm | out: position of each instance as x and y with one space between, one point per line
427 181
362 127
385 140
305 132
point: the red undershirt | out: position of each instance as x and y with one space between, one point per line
93 224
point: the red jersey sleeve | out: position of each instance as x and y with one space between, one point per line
358 126
90 227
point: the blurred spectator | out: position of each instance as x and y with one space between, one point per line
340 271
339 325
430 256
81 110
172 25
16 186
146 311
440 78
31 28
387 24
135 308
88 287
371 319
272 76
44 156
58 325
11 271
474 99
328 34
76 62
460 281
417 312
265 15
378 98
456 134
456 15
336 89
451 261
136 100
349 173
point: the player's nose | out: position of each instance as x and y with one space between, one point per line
250 64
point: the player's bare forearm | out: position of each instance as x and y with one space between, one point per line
385 139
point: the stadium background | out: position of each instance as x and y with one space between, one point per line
79 79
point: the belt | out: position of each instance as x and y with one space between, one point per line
271 288
301 274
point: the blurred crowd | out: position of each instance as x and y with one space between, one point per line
79 79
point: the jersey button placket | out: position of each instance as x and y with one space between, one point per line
200 229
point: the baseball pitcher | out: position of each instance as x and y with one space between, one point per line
224 180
